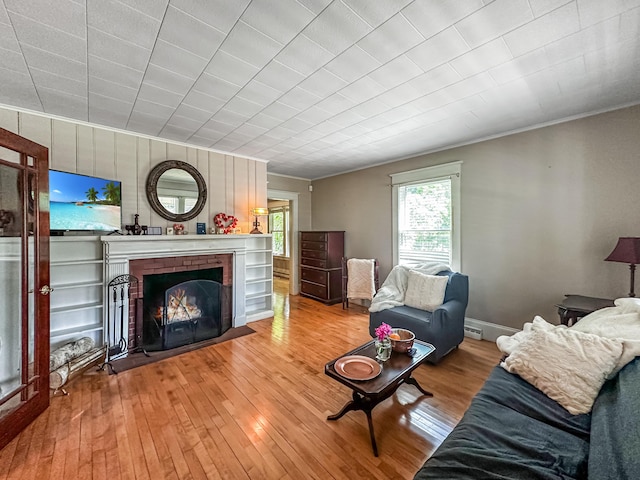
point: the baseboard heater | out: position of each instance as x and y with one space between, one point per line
472 332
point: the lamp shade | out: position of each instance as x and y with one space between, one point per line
260 211
627 251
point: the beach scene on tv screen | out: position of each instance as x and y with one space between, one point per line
79 202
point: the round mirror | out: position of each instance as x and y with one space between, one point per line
176 190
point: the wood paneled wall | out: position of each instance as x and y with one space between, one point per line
234 184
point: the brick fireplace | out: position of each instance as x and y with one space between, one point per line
143 268
245 259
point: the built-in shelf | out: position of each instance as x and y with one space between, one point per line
65 332
76 262
77 307
260 265
260 280
68 286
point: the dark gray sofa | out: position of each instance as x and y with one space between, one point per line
514 431
443 328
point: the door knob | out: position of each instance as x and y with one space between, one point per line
46 290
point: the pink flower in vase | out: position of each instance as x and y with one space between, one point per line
383 331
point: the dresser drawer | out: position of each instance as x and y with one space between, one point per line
319 291
316 276
314 254
314 246
313 262
314 236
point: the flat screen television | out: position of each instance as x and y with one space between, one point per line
83 203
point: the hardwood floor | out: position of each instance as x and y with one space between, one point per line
250 408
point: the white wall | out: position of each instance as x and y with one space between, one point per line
234 184
540 212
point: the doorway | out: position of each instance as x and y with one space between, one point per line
283 222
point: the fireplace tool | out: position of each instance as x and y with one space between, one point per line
119 290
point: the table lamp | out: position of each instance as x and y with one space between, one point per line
627 251
257 211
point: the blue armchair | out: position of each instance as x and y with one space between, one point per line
443 328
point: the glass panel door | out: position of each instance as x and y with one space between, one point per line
24 274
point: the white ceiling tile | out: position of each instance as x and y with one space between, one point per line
215 87
57 82
199 99
264 121
280 111
438 49
542 7
117 50
322 83
552 26
109 117
493 20
250 45
154 109
375 13
259 93
294 103
173 59
231 69
433 16
316 6
335 103
18 87
592 12
281 20
122 21
243 107
167 80
391 39
147 124
395 72
278 76
482 58
49 39
8 40
337 28
114 72
362 90
189 33
159 95
299 98
153 8
304 55
62 15
222 14
13 61
37 58
524 65
352 64
64 104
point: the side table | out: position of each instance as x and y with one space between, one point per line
574 307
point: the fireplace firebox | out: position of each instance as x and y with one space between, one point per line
180 308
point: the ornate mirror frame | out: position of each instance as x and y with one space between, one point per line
152 190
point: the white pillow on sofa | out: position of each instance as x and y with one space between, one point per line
568 366
425 292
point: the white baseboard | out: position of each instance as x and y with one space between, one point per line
490 331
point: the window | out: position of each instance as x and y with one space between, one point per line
427 215
279 227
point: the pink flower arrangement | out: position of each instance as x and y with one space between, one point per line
383 331
178 228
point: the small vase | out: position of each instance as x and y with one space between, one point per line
383 349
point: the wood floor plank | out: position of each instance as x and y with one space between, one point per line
254 407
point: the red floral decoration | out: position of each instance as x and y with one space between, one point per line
226 222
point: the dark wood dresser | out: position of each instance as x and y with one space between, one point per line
321 265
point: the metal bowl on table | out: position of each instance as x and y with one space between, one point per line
404 342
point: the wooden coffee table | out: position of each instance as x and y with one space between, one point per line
369 393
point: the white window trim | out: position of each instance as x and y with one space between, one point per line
451 170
